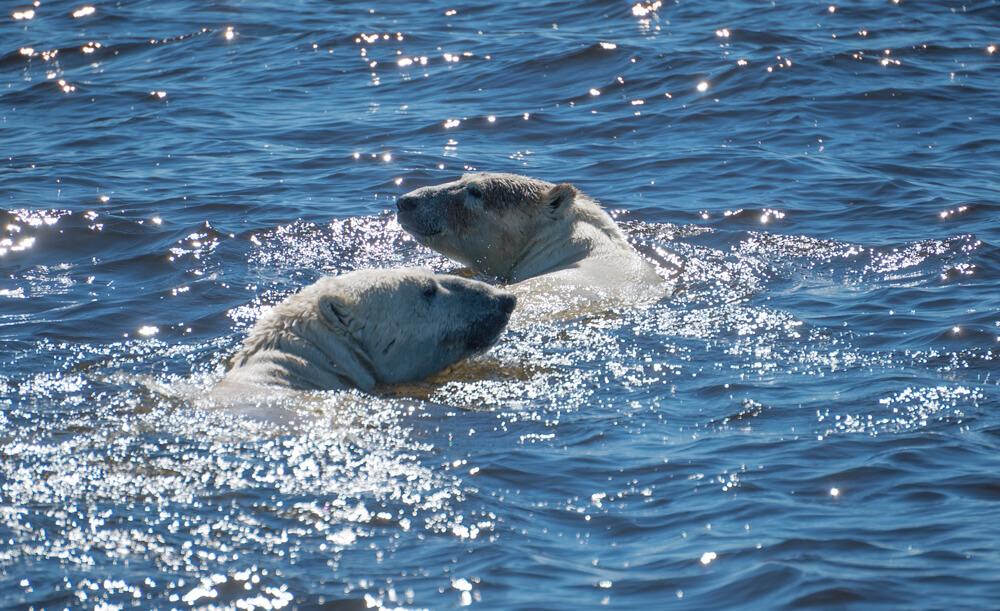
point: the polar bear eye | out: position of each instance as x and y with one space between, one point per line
474 190
430 291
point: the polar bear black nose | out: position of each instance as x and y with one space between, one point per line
507 302
406 202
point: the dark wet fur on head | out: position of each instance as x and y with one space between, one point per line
458 215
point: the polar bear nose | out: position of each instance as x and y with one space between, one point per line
507 303
406 203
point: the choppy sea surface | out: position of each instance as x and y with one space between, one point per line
811 420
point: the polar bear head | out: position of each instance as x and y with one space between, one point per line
489 221
372 327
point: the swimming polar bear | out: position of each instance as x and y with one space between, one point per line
369 327
537 236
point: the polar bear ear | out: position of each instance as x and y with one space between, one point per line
348 359
556 201
337 308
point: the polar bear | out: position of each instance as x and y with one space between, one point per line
369 327
535 235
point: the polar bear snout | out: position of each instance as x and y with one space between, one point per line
480 296
486 331
416 217
406 203
493 307
507 302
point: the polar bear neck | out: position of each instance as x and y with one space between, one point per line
585 231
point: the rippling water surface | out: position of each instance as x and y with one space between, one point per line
812 420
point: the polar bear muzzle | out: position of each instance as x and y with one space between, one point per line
486 331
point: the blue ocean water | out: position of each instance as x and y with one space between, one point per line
810 421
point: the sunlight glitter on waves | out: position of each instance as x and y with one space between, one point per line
343 245
946 213
643 10
767 214
199 244
908 409
915 255
8 245
265 597
31 218
371 468
774 246
372 38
